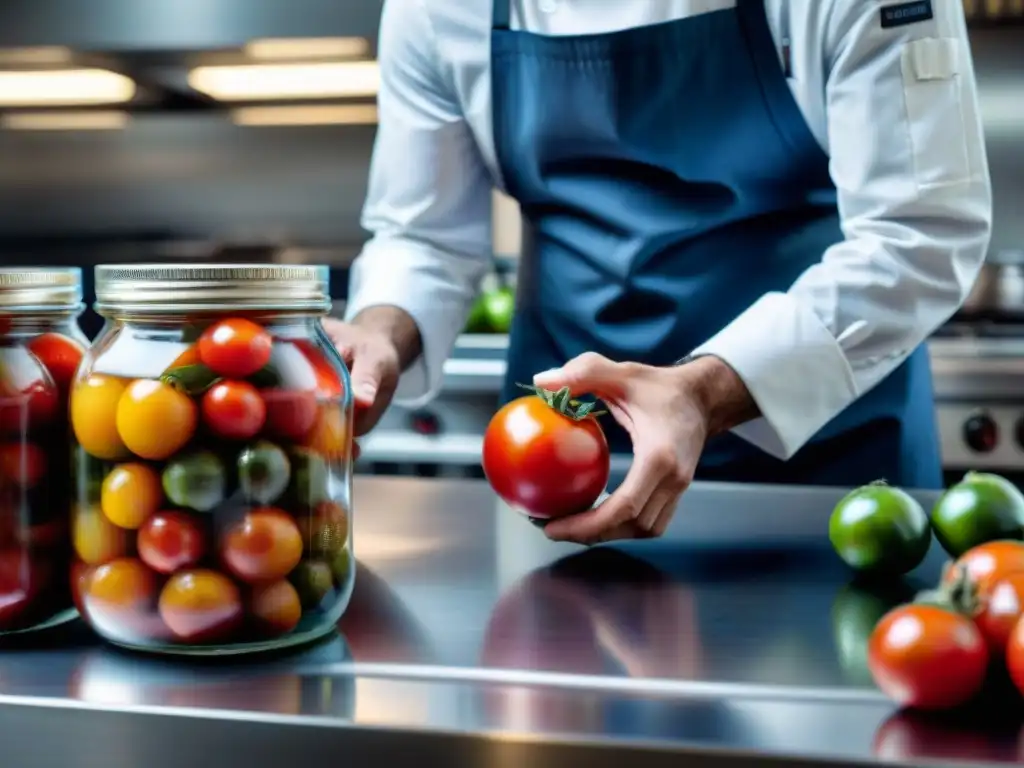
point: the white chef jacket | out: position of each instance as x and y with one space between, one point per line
895 108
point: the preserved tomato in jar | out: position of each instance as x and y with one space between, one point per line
41 346
209 516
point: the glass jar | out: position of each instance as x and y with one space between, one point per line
40 348
212 449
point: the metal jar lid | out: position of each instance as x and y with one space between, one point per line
57 289
156 288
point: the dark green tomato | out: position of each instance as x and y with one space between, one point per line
499 307
880 529
263 472
310 479
313 581
323 537
342 565
477 320
196 481
982 507
856 610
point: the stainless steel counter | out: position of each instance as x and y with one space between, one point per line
473 641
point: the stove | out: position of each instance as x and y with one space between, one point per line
978 370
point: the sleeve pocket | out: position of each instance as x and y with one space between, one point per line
931 87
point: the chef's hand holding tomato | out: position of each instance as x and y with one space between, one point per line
669 413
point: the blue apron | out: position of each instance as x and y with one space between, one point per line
668 180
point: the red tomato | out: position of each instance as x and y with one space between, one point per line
988 563
29 398
328 382
1000 611
169 541
23 464
234 410
927 657
290 413
21 581
60 355
542 462
236 348
263 546
1015 656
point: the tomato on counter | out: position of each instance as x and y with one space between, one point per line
987 564
546 455
980 508
880 529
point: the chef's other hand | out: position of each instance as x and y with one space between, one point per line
374 362
669 413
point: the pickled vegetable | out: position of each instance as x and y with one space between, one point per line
263 472
154 419
265 545
196 481
201 606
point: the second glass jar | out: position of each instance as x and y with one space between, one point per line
212 457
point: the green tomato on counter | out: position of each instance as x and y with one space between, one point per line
196 481
982 507
264 472
499 307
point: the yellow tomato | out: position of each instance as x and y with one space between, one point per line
96 539
330 433
154 419
131 493
94 415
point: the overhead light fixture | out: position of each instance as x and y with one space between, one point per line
37 56
64 121
64 87
307 48
280 82
341 114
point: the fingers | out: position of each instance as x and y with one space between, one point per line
589 372
373 384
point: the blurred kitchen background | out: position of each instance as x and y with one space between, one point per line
161 130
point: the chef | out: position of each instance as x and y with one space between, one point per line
743 218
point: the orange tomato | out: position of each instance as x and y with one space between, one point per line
60 355
989 563
201 606
121 594
23 464
96 539
1000 611
276 608
130 494
263 546
154 419
94 404
330 435
81 574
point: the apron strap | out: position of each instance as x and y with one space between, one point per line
501 11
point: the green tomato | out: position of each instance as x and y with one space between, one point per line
342 565
196 481
982 507
310 478
880 529
264 472
313 581
499 308
477 320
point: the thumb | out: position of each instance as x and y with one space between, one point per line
589 372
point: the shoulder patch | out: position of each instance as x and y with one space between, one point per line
906 13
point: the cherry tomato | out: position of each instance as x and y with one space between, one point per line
1000 611
328 382
1015 656
330 436
120 596
95 538
45 535
927 657
80 577
988 563
234 410
263 546
276 608
94 416
23 464
130 494
201 606
543 462
60 355
169 541
154 419
290 413
21 581
189 357
235 348
29 398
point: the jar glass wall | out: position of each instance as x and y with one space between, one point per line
212 450
40 347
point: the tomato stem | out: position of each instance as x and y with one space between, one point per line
563 403
957 593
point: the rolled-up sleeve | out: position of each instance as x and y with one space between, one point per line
909 164
429 200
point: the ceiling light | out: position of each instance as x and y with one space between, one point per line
284 49
64 121
67 87
271 82
342 114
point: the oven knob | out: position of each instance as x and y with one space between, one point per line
981 433
424 423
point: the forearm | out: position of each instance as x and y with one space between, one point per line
719 393
398 326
